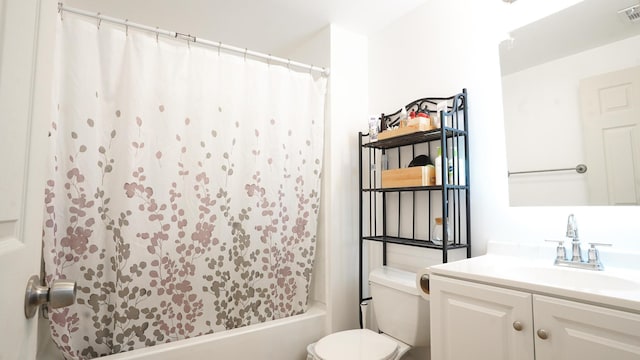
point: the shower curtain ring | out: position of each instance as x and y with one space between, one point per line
99 21
219 47
289 64
126 27
157 33
245 54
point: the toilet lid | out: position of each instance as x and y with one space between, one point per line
356 344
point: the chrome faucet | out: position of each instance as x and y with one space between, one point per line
593 262
572 233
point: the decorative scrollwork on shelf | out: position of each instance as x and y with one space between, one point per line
424 105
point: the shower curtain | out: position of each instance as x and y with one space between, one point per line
184 188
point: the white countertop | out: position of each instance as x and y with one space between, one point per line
533 271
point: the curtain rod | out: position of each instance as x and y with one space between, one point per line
173 34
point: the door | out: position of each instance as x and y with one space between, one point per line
584 332
27 34
475 321
610 110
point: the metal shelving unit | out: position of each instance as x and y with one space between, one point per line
381 209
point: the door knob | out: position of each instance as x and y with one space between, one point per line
61 293
543 334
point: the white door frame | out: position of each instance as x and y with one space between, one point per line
27 39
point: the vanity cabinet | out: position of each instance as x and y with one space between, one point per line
582 331
477 321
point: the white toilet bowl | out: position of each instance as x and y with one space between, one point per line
357 344
402 315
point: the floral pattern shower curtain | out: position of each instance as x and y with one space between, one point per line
184 188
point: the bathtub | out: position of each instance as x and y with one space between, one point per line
283 339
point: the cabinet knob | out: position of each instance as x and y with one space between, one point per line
542 334
517 325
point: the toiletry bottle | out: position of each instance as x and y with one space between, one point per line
437 232
450 167
461 179
440 108
373 128
403 117
438 163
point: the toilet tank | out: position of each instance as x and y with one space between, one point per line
399 309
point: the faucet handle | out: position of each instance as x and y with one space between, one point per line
561 252
593 254
594 244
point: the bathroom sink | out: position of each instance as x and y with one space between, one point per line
605 282
616 287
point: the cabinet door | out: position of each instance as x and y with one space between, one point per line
481 322
584 332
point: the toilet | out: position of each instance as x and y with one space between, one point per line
402 316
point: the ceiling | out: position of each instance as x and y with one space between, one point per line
268 26
588 24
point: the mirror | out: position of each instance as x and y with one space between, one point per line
571 97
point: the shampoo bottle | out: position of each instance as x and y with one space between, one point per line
450 167
438 163
461 166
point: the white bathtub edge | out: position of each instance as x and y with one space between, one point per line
278 339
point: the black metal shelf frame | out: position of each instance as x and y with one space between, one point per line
415 138
412 242
454 199
417 188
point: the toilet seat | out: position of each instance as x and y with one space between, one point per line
356 344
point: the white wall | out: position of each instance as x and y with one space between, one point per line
424 54
313 50
437 50
336 269
256 25
348 96
543 102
